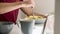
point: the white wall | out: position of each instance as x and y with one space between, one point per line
45 6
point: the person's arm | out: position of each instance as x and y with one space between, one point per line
7 7
32 2
29 12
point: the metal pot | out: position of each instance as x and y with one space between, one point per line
5 27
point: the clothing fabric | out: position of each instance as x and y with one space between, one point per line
9 1
10 16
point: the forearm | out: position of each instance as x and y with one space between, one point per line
29 12
7 7
31 2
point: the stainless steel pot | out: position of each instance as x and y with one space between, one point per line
5 27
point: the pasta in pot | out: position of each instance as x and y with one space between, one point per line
34 17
